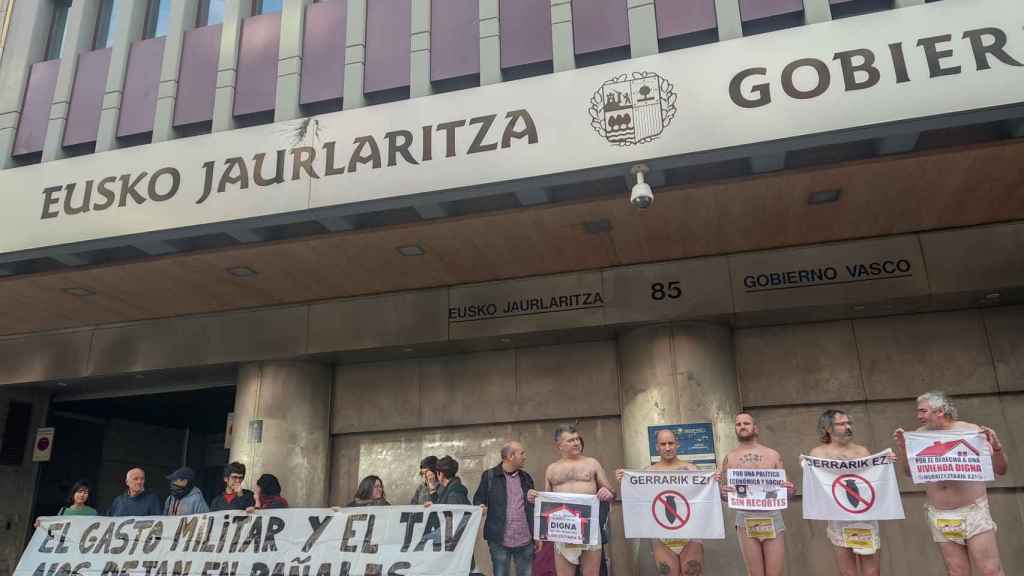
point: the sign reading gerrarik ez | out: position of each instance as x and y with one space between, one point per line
380 541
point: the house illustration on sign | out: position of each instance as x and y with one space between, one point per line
559 517
940 449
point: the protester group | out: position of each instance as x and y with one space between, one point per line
672 503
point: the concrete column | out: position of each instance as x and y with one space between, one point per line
78 39
289 60
131 21
490 42
643 28
419 52
563 50
355 54
730 24
235 11
282 427
817 11
183 19
24 46
675 375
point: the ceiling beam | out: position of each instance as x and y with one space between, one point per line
432 211
338 223
155 247
897 143
533 196
768 163
71 260
244 235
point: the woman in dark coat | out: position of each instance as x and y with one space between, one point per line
369 493
268 493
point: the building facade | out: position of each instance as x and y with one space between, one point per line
374 230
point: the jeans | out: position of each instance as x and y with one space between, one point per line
501 558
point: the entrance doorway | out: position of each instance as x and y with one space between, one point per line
100 439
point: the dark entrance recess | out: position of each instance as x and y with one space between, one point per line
101 439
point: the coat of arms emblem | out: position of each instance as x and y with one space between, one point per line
633 108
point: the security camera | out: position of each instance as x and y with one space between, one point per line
642 196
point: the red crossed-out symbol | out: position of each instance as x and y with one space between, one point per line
847 492
671 510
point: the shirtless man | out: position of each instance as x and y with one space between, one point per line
763 556
576 474
967 501
835 430
673 557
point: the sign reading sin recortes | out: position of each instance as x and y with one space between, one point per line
930 60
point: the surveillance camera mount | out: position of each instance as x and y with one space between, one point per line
639 169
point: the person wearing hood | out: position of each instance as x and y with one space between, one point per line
186 498
136 501
268 493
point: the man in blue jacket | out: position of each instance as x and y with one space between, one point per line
136 501
508 527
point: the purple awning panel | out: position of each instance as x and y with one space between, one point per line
388 25
35 113
757 9
323 52
141 85
256 86
678 17
454 38
525 32
599 25
87 97
197 76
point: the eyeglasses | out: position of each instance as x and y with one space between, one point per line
238 477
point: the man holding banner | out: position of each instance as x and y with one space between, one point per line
657 503
954 459
852 489
405 540
568 514
757 489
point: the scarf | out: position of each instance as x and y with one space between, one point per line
180 492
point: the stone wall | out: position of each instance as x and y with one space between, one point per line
388 415
874 368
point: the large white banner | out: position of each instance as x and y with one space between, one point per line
672 504
567 518
949 455
851 490
394 540
878 69
757 489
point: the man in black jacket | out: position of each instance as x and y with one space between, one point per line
508 526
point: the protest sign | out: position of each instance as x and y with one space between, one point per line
671 504
936 456
567 518
851 490
393 540
757 489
